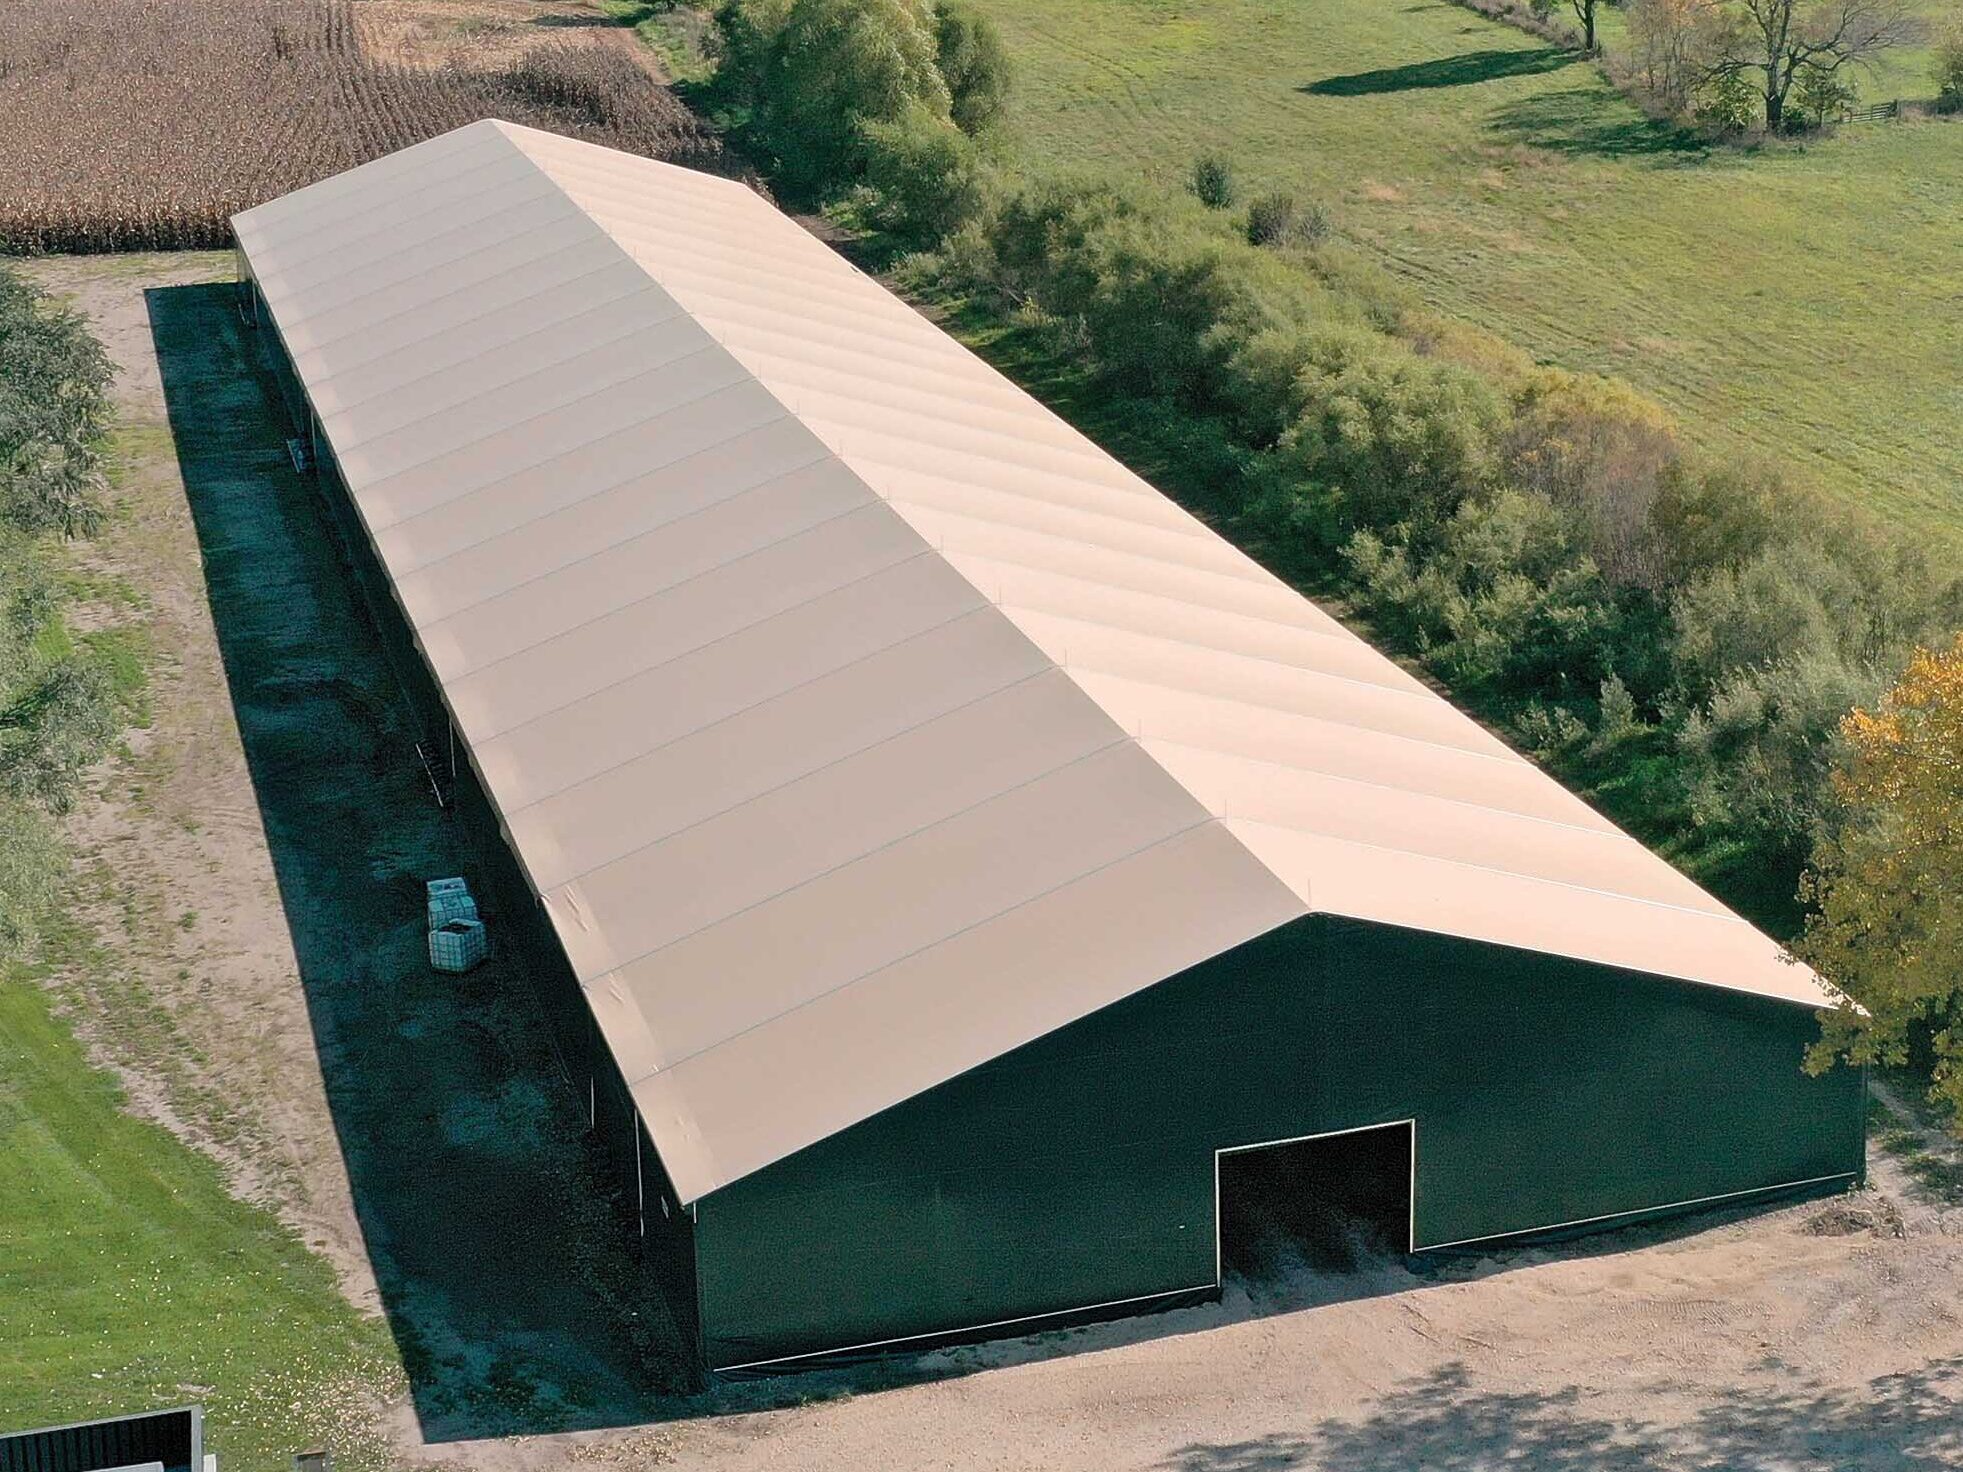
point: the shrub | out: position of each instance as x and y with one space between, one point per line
1706 518
1277 219
1212 181
1162 296
1499 598
1665 52
1759 753
1271 219
1312 223
1792 597
1152 314
1616 718
1405 438
29 860
58 708
1820 98
1727 104
974 65
53 730
924 174
1600 449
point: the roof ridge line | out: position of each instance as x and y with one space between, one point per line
1722 913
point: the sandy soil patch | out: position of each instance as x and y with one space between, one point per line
172 857
486 34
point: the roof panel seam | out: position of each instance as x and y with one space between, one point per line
951 936
1340 638
509 426
1296 670
608 310
530 186
443 270
638 473
472 671
808 774
1609 832
1117 741
401 345
706 509
976 611
786 612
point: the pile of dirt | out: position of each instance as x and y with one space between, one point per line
1853 1214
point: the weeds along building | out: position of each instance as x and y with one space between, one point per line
951 856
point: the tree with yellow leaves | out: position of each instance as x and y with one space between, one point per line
1888 885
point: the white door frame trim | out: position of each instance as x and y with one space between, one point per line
1411 1192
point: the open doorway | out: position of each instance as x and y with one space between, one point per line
1331 1202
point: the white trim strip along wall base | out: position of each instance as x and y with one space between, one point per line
1589 1221
1055 1313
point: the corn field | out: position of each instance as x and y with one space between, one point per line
146 124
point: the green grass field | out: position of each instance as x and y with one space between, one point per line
131 1279
1798 304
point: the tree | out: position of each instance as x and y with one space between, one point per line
54 406
924 171
974 64
1889 883
1821 98
1776 41
1664 56
1584 11
1949 68
835 66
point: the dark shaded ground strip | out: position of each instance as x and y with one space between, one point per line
487 1219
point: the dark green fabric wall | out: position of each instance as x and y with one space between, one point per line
1078 1170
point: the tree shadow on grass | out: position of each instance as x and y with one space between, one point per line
1591 122
1911 1422
1463 70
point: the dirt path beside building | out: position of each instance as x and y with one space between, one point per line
203 1014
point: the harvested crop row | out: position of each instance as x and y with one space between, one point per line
145 124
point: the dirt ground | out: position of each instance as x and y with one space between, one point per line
485 33
257 913
175 860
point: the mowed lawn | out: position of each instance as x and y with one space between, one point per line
1802 305
130 1279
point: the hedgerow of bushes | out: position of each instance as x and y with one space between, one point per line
59 706
1679 635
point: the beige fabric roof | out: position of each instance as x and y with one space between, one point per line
857 719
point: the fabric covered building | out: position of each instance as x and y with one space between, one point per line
959 853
